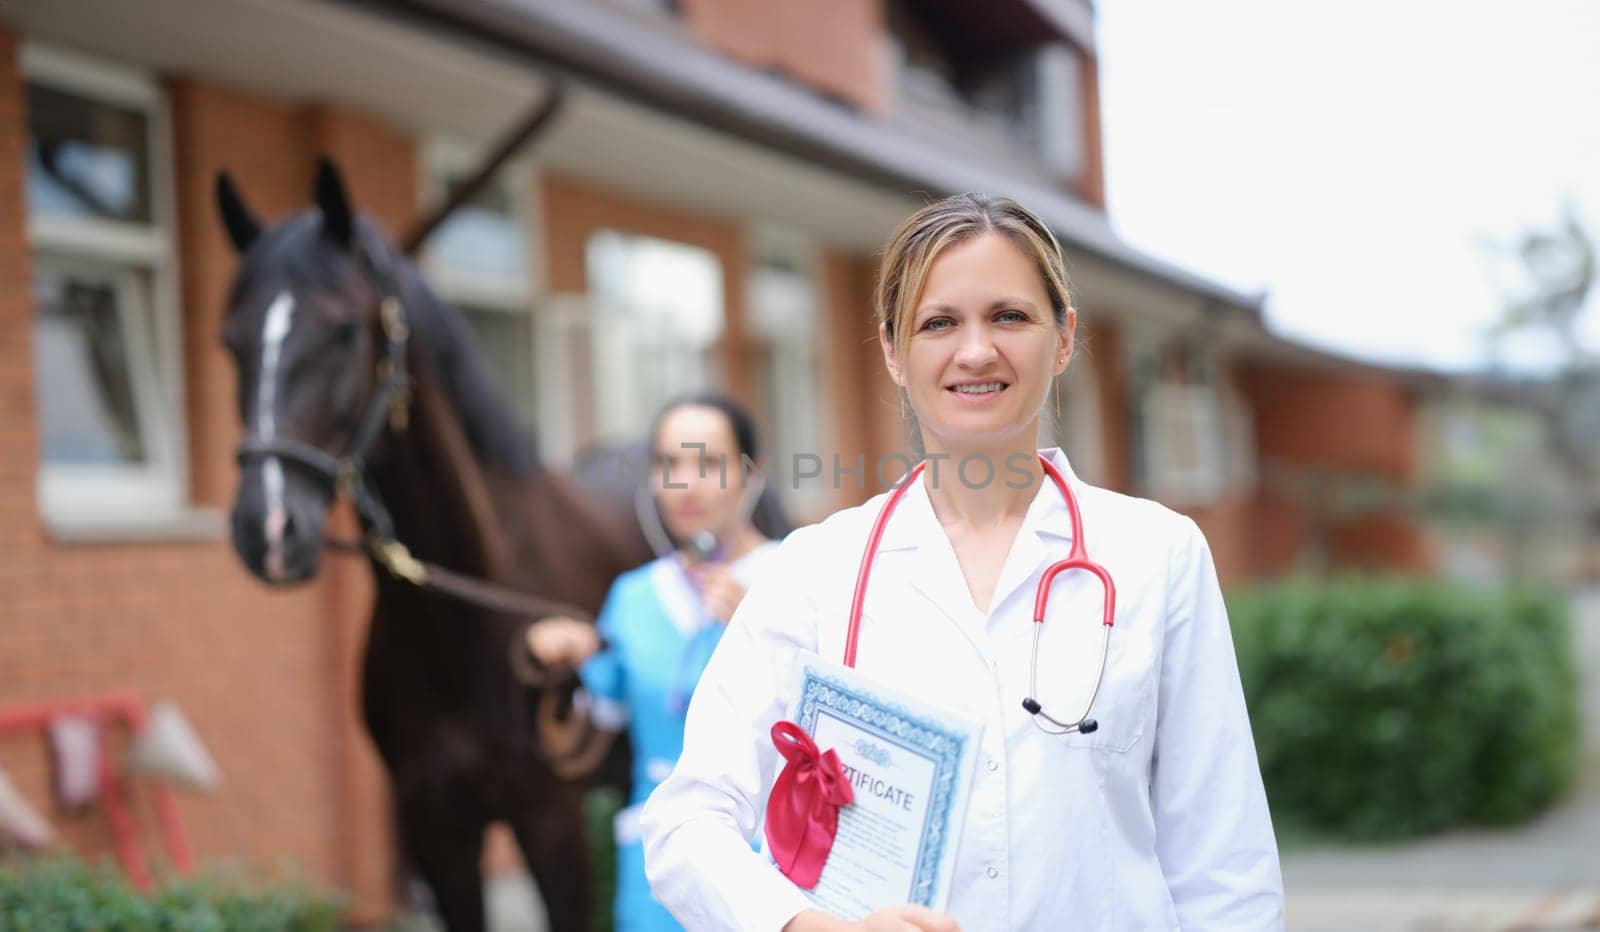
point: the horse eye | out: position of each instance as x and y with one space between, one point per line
346 331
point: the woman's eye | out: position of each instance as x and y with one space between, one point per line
938 323
345 332
1013 317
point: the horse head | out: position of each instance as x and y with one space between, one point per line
311 325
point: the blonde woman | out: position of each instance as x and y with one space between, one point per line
1155 819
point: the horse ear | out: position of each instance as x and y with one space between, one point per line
337 220
243 227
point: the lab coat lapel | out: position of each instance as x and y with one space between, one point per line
929 563
1043 538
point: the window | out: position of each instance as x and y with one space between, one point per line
1192 436
107 367
1035 97
1013 90
1184 440
785 325
655 329
478 260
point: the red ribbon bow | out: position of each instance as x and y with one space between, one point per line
803 810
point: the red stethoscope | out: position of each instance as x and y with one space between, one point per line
1077 559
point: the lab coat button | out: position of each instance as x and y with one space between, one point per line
993 765
994 872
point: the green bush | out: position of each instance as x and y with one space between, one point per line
62 894
600 808
1384 708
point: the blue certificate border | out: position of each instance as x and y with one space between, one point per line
899 726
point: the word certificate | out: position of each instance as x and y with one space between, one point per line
910 767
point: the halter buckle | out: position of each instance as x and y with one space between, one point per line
394 557
393 318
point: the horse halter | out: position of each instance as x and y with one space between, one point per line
346 474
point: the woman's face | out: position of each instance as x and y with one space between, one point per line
983 346
697 495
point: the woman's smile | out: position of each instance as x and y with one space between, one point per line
978 393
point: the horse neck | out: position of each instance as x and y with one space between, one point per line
434 487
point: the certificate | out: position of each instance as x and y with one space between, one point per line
910 767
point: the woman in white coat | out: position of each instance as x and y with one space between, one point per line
1157 819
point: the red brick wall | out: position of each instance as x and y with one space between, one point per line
1091 183
19 524
267 677
834 47
1100 346
1353 422
1332 424
863 400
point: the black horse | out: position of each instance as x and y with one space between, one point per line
354 377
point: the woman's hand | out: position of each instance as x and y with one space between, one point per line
720 592
894 919
562 643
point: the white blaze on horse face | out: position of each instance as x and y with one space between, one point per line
279 315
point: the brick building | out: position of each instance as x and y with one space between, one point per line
753 155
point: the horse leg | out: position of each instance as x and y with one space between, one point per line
549 830
446 848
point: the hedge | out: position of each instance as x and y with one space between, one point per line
59 893
1385 708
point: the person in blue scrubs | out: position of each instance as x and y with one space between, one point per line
641 659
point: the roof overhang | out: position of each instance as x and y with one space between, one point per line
658 66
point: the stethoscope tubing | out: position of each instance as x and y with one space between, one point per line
1077 559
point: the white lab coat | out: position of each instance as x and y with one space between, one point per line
1158 820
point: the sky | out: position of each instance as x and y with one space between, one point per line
1364 162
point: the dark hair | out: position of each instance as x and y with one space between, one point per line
742 424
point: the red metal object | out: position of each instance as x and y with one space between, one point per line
127 710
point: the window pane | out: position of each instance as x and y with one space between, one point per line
659 326
506 341
482 241
785 326
83 372
87 159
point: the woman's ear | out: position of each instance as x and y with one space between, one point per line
1067 340
886 343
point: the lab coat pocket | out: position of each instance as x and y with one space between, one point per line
1124 701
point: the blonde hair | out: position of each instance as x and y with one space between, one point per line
956 219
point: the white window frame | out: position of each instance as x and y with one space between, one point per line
1061 144
797 367
615 334
150 501
1192 412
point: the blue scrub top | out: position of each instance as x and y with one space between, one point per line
659 639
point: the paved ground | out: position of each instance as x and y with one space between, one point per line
1542 876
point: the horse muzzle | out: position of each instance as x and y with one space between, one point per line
277 525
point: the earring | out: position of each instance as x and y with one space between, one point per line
1057 382
901 392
